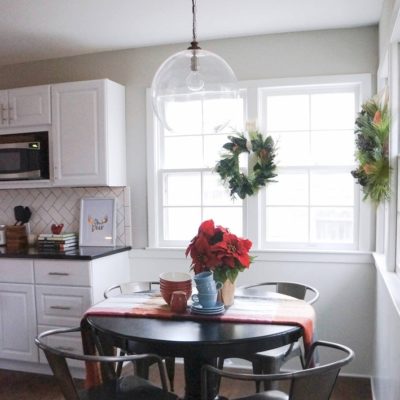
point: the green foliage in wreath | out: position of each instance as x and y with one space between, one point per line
372 137
262 155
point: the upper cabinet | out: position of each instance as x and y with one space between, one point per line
88 133
25 107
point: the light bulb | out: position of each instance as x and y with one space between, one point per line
194 81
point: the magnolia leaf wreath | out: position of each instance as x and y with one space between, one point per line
372 148
262 154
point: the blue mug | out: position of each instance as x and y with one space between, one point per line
208 287
206 300
202 277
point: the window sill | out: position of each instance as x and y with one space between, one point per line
327 256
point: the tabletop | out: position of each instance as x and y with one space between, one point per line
197 341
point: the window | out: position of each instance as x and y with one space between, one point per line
314 204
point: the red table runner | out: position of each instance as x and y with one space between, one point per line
282 310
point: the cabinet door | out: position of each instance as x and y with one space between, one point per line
29 106
79 133
17 322
3 109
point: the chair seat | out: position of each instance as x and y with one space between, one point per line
268 395
126 388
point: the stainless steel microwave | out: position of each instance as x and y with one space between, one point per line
24 156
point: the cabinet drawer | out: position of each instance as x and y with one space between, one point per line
68 342
16 271
61 306
59 272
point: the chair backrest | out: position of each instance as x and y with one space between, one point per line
57 360
293 289
129 287
312 383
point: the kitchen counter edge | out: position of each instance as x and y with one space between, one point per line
81 253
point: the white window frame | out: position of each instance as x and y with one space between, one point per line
364 214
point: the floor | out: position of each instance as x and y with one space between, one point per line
25 386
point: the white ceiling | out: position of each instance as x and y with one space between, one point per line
41 29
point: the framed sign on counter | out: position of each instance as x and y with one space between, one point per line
97 222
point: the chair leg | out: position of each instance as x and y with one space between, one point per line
170 366
120 364
257 369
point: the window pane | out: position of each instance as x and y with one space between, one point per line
292 148
185 116
332 225
328 188
332 111
287 224
332 148
228 217
182 189
288 113
217 110
214 193
183 152
213 149
291 189
181 223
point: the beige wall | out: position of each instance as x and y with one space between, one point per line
328 52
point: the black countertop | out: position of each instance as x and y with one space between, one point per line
81 253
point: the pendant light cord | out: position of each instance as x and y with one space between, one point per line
194 44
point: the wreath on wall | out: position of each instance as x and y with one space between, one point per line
262 154
372 149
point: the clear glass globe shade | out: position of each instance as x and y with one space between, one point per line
190 77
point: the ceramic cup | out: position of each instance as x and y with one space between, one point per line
206 300
208 287
178 301
203 277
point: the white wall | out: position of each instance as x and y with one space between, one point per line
386 361
346 281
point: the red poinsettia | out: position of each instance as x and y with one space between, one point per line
215 249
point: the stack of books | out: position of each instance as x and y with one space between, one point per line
60 242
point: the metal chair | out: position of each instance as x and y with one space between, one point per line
271 361
136 287
311 383
113 387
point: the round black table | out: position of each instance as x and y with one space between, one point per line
198 342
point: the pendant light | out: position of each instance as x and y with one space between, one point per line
194 76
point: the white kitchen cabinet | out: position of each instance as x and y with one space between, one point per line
18 324
88 128
42 294
24 107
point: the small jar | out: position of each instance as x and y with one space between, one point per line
2 235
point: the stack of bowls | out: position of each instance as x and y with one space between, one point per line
175 281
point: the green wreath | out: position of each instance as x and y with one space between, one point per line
372 149
261 150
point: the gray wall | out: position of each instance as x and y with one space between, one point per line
345 309
328 52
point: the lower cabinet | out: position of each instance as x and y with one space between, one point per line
17 322
38 295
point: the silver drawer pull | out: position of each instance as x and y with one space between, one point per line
59 273
60 308
63 348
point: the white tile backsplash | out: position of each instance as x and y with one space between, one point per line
62 205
